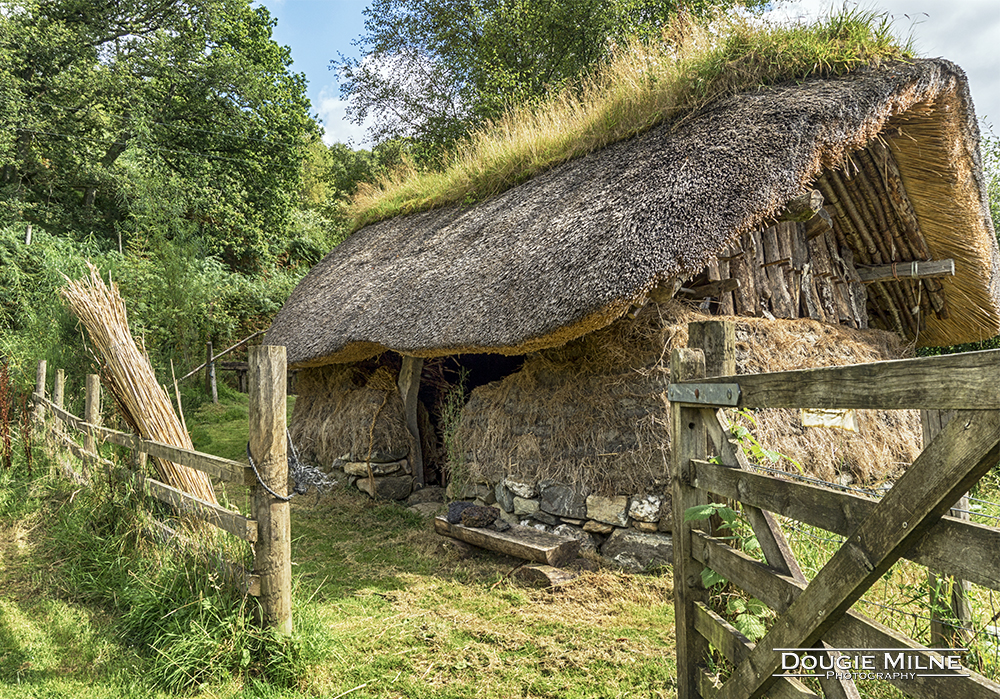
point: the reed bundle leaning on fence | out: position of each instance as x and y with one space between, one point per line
127 373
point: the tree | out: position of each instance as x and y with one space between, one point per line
108 105
433 69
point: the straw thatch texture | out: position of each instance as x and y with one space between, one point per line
569 251
591 413
350 411
128 376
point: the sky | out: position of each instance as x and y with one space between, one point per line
964 31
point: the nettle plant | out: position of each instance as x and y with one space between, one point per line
748 614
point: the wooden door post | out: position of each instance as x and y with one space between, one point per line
688 441
409 385
273 549
92 410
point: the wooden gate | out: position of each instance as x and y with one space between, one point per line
908 522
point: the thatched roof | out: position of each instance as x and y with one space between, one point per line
571 250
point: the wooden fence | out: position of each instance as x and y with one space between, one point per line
269 530
908 522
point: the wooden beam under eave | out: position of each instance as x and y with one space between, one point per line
409 385
915 269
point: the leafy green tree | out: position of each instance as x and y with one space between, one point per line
991 166
108 105
433 69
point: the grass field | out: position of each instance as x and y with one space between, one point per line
381 607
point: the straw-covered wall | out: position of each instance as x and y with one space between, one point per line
346 411
591 413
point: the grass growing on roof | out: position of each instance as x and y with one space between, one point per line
644 85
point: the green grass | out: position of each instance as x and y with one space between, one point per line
381 607
644 85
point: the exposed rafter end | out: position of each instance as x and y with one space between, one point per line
915 269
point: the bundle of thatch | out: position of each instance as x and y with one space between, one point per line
128 376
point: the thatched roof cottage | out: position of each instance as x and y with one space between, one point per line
805 201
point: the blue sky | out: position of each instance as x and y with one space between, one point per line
318 31
964 31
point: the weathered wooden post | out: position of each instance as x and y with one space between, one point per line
273 549
59 389
92 410
717 340
40 390
409 385
58 398
688 440
944 633
211 388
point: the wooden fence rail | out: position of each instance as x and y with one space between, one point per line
908 522
268 530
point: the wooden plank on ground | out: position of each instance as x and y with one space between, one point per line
964 451
227 520
215 466
952 546
518 541
950 382
543 574
854 630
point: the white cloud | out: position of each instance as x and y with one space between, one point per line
336 128
964 31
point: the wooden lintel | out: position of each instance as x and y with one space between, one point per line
915 269
518 541
710 290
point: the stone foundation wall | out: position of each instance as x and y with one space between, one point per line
632 531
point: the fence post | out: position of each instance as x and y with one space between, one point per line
92 410
40 390
59 390
717 339
273 550
210 386
688 440
943 633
